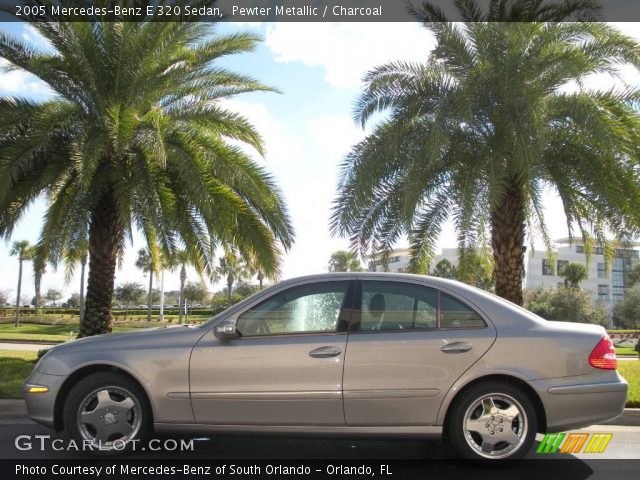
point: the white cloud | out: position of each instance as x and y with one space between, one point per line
346 51
334 135
31 35
19 82
304 160
282 147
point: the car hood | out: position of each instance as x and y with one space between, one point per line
60 358
116 340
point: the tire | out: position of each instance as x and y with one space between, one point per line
493 422
107 411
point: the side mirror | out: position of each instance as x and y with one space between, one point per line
226 331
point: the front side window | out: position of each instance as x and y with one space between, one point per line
312 308
397 306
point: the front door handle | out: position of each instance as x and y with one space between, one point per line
457 347
325 352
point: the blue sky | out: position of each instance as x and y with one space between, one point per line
308 128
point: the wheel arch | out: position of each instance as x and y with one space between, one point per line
509 379
83 372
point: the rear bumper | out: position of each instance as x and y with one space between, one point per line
41 406
576 403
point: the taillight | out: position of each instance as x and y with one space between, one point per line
604 355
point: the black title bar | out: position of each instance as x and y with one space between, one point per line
299 11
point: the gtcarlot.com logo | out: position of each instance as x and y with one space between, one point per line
574 442
47 443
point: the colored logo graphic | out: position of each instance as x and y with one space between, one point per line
573 442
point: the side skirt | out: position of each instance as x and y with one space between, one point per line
311 430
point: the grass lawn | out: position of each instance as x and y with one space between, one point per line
43 332
626 351
631 372
15 366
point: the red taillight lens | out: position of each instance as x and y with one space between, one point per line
604 355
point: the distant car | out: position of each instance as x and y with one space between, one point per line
143 306
366 353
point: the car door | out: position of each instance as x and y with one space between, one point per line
407 346
286 367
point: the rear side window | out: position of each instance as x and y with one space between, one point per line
397 306
387 306
455 314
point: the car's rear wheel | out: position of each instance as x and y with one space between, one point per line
493 421
107 412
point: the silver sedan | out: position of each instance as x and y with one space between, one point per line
374 354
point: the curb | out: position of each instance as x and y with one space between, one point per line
34 342
11 410
630 417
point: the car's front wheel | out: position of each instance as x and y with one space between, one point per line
106 411
492 421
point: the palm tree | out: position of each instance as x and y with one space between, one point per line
233 269
145 263
136 138
22 250
479 132
255 267
183 258
344 261
166 263
573 274
39 269
76 253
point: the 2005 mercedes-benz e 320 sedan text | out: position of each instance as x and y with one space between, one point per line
340 354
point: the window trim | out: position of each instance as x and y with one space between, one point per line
345 315
356 316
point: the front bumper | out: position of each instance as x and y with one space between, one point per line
580 403
41 406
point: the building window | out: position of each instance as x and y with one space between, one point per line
579 249
547 267
626 253
602 271
603 293
561 265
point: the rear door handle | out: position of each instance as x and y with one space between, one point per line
457 347
325 352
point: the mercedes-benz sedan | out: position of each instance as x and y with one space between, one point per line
374 354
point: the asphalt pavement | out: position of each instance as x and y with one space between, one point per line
625 444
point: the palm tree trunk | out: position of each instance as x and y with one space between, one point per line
83 264
17 322
183 279
37 282
104 236
149 296
507 240
229 287
162 295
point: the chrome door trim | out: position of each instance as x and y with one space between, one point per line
292 395
403 393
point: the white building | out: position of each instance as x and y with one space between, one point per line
606 285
